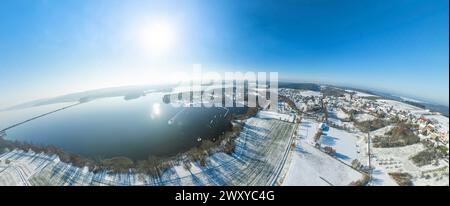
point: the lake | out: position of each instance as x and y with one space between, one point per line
135 128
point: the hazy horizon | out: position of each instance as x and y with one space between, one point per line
414 98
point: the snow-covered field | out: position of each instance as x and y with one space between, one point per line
403 106
443 120
350 146
382 131
411 99
310 166
380 176
345 143
364 117
361 94
309 93
340 118
275 115
341 114
397 159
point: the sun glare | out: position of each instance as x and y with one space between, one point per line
157 37
156 110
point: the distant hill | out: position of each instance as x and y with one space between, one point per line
128 92
444 110
305 86
131 92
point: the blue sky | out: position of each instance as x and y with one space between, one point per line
53 47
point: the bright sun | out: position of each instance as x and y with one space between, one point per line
158 37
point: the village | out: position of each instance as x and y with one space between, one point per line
391 142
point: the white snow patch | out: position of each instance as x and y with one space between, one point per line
274 115
344 142
364 117
403 106
311 167
442 120
341 114
309 93
361 94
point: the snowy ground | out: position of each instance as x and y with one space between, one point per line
275 115
411 99
397 159
350 146
380 176
341 114
338 117
309 93
403 106
346 143
22 166
443 120
382 131
364 117
310 166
